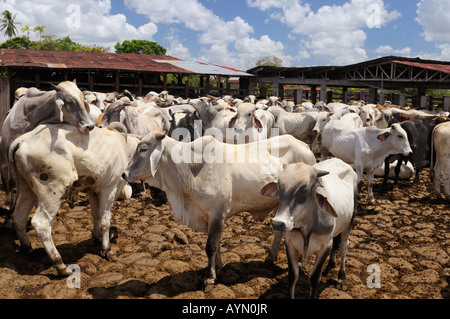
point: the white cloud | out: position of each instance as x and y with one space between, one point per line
85 21
223 42
387 49
333 32
434 17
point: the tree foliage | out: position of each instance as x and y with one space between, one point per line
140 47
8 24
51 43
269 61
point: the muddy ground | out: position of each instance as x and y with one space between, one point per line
406 234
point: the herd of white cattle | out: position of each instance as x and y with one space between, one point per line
213 157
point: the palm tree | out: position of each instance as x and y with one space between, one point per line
40 29
8 24
27 29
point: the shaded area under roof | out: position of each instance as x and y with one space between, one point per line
110 61
442 66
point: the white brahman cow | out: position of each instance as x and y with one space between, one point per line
55 162
366 147
317 205
64 104
441 147
207 181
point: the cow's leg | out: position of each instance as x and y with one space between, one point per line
386 171
215 228
273 254
332 261
94 202
25 202
370 176
342 276
106 201
437 177
41 221
397 172
293 255
316 272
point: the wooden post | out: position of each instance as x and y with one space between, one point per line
276 89
117 82
140 85
313 95
447 103
402 101
323 92
298 96
345 97
37 80
373 98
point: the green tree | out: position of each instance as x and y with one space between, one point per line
140 47
8 24
269 61
15 43
27 29
40 29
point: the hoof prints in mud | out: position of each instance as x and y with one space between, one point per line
405 233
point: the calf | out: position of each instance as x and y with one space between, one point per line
207 181
365 147
317 205
54 162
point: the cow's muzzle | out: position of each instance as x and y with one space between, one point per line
277 225
87 128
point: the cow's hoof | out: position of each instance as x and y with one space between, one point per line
208 285
63 270
341 284
108 255
26 249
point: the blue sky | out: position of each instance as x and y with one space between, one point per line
238 33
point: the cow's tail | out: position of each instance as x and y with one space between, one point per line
432 175
13 172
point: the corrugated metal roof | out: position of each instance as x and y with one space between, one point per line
109 61
435 67
204 68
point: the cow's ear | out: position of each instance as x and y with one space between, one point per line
88 108
232 122
383 137
257 122
59 103
155 157
270 190
323 203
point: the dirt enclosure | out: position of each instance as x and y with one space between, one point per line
402 243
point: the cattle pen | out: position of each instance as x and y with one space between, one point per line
398 246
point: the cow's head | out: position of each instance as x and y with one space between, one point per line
396 139
72 106
300 192
367 115
113 113
144 163
245 118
